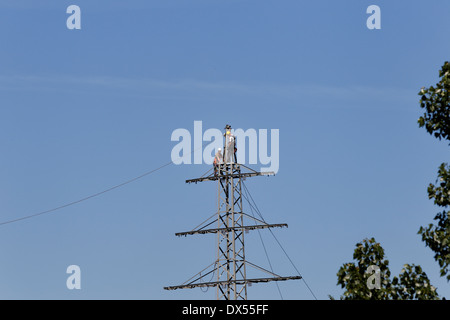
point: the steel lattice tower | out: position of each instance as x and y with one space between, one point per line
230 263
230 267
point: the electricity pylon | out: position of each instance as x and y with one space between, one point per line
230 267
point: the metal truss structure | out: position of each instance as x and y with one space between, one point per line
231 265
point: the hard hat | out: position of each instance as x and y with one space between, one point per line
220 149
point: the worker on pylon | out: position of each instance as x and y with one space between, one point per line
230 145
218 160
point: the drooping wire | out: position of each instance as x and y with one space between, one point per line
244 194
93 195
85 198
276 239
212 276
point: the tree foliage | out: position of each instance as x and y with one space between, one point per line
355 277
437 237
413 284
435 101
436 120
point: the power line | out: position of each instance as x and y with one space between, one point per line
276 239
86 198
262 242
95 194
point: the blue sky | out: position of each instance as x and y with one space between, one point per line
83 110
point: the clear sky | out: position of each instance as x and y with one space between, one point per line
84 110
